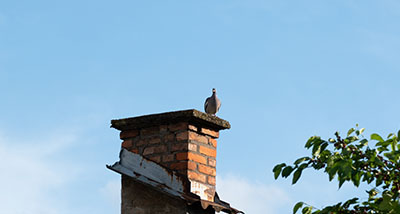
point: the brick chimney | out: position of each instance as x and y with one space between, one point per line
183 141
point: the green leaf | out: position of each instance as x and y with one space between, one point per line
393 145
303 166
297 207
378 181
364 142
323 146
296 175
341 181
298 161
356 178
306 210
277 170
350 131
317 147
310 141
362 130
286 171
376 137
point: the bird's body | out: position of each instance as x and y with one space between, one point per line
212 104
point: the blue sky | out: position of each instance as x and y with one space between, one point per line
284 70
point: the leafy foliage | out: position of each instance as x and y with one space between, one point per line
351 159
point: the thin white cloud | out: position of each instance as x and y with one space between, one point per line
29 175
251 197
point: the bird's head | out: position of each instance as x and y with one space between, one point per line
214 91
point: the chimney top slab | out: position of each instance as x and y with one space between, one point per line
191 116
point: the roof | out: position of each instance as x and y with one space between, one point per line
165 180
191 115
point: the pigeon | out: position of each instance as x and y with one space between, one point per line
212 104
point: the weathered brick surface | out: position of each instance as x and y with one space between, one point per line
138 198
163 128
207 170
211 180
208 151
196 176
154 140
191 156
192 147
170 137
183 136
168 158
193 128
178 126
183 147
127 144
179 147
155 158
212 142
150 130
214 134
155 150
212 162
129 134
199 138
183 165
141 142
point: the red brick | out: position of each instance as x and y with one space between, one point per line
211 180
212 142
179 147
155 159
196 137
191 156
135 151
192 165
214 134
183 165
207 170
178 126
207 151
182 136
155 150
212 162
178 166
168 138
192 147
148 140
196 176
168 158
127 144
154 140
163 128
182 156
141 142
128 134
193 128
150 131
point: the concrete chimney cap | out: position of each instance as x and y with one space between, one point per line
191 116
